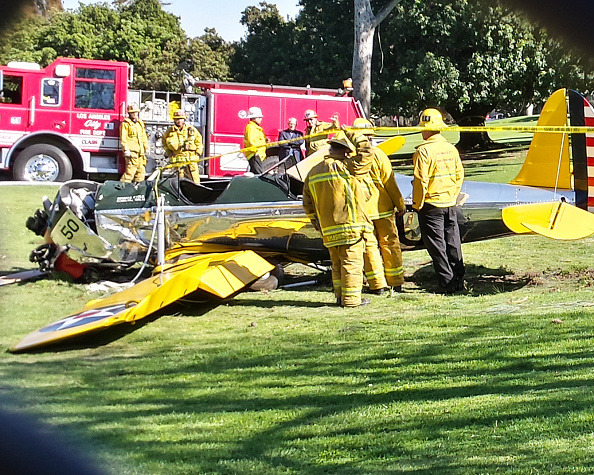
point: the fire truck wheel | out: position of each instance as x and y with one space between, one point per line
42 162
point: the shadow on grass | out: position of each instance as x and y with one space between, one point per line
480 280
379 427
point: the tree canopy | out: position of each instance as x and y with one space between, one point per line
467 56
139 32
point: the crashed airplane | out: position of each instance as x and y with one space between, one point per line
220 237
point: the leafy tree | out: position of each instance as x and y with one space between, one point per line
20 42
314 49
208 56
138 31
469 57
267 54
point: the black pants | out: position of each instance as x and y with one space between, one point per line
441 236
293 154
256 165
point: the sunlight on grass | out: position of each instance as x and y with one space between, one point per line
494 380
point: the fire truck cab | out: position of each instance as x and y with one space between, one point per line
63 121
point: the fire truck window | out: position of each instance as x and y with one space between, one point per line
13 90
86 73
50 92
95 95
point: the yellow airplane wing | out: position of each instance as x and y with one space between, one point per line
392 145
556 220
219 274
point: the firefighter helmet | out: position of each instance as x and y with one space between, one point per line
431 118
254 113
341 139
133 107
362 123
179 114
310 114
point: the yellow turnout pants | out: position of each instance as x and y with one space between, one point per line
389 246
347 272
372 263
135 168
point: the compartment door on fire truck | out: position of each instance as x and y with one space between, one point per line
47 107
13 109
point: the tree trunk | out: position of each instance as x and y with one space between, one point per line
474 141
362 52
365 24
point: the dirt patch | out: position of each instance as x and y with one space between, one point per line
552 278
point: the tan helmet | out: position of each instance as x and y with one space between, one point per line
362 123
133 107
341 139
431 118
179 114
310 114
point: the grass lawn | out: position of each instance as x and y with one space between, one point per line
496 380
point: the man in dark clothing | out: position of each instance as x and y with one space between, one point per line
438 176
290 149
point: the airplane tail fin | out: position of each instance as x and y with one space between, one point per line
563 161
547 163
559 161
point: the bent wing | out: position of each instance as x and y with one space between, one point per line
218 274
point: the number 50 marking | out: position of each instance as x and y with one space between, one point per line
69 229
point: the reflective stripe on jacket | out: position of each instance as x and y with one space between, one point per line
182 144
332 197
133 136
254 137
438 173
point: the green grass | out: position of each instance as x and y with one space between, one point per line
283 382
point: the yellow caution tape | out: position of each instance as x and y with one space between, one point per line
558 129
555 129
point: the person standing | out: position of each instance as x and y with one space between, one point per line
291 149
254 136
334 202
135 144
438 178
384 204
183 143
314 126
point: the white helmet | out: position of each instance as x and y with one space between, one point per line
254 113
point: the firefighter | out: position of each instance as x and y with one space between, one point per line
253 136
314 126
135 144
335 203
438 177
384 202
183 143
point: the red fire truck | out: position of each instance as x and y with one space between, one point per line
63 121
